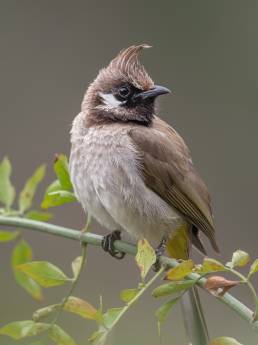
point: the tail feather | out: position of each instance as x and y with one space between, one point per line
196 241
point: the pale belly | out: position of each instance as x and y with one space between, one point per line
108 184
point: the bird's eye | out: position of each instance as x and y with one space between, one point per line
124 91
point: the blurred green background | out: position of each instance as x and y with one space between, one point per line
206 52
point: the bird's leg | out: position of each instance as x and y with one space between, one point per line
160 250
108 244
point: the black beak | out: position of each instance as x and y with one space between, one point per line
157 90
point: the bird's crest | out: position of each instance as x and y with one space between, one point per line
126 65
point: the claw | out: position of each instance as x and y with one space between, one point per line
108 244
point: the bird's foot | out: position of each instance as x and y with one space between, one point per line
160 250
108 244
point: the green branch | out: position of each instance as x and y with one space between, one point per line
88 238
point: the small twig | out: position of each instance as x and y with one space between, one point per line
138 295
250 286
242 310
73 286
78 275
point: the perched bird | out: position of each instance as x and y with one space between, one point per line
130 170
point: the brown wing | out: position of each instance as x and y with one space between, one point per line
168 170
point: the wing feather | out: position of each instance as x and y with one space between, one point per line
168 170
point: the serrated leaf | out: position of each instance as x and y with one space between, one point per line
162 311
59 336
80 307
7 236
22 253
56 196
44 273
171 288
29 190
225 341
99 337
180 271
76 266
111 315
128 294
253 268
23 329
7 191
145 257
211 265
239 259
38 215
62 172
178 244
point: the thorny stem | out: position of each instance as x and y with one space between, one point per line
89 238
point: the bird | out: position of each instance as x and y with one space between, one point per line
131 170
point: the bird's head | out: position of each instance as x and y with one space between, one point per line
123 91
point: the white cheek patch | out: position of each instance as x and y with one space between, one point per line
110 100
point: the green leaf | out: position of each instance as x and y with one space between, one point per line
211 265
178 244
60 337
180 271
62 172
225 341
145 257
99 337
17 329
29 190
239 259
7 236
63 194
171 288
56 196
76 266
108 320
21 254
163 311
44 312
38 215
253 268
111 315
44 273
80 307
23 329
7 191
128 294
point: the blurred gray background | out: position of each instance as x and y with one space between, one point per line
206 52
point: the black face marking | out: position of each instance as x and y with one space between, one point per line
125 93
132 107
